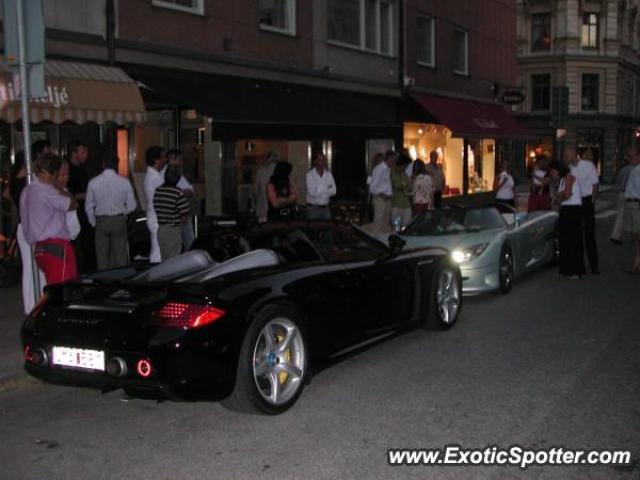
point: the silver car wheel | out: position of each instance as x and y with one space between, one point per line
448 296
506 269
279 361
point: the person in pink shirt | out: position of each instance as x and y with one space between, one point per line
43 213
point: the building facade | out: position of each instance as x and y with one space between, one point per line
579 65
227 82
460 60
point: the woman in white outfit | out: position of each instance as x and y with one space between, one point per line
505 186
571 261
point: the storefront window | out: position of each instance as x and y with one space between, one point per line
422 139
242 162
482 165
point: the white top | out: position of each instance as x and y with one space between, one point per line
537 176
152 180
423 190
320 188
109 194
587 176
575 198
380 180
633 184
505 192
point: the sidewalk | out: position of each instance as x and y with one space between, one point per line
11 314
11 317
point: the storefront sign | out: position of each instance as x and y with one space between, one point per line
485 123
513 97
56 96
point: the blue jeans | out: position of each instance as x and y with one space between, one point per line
317 212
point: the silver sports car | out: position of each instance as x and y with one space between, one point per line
493 245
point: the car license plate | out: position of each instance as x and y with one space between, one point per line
79 358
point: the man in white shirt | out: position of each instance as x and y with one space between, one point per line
109 200
437 175
176 157
320 188
587 178
632 207
156 160
621 184
381 191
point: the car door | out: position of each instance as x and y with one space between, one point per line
531 237
377 289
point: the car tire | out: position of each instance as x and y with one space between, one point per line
505 269
271 373
446 299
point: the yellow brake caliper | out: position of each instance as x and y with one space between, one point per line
282 376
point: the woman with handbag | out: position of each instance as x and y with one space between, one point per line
282 194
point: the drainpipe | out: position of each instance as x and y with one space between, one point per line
111 32
402 64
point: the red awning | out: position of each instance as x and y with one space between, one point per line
466 118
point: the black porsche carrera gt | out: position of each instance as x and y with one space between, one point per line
241 318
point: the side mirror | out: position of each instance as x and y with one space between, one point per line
396 244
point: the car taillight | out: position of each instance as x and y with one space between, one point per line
186 315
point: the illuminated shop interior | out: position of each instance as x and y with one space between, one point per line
420 139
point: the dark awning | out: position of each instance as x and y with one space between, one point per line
235 100
466 118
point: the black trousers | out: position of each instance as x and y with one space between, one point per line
85 244
589 227
571 261
437 199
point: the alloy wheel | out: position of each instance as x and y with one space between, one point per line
448 296
279 361
506 270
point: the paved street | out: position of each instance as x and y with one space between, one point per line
554 363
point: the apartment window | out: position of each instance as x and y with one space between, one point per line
590 91
461 52
364 24
589 30
189 6
278 15
426 41
540 93
540 32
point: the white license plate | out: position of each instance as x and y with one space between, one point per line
79 358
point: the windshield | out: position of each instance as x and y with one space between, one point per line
454 221
305 242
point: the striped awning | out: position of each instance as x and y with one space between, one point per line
76 92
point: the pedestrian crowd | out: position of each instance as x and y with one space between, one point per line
75 224
71 225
